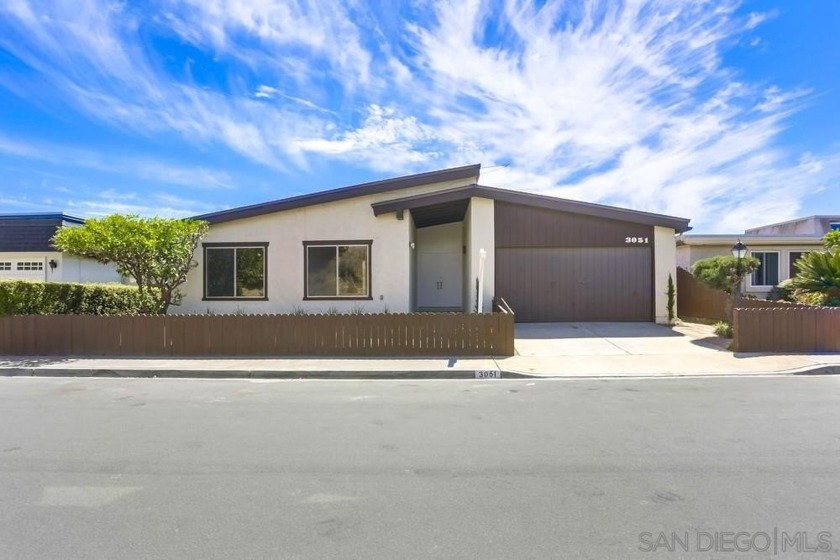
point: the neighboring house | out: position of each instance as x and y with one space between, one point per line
776 246
421 242
26 252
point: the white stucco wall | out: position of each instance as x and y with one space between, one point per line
412 263
468 287
74 269
665 264
480 234
285 232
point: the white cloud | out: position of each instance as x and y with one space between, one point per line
385 140
266 92
623 102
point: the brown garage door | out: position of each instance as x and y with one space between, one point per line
576 284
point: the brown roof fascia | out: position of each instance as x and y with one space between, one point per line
527 199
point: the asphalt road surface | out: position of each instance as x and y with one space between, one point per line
185 469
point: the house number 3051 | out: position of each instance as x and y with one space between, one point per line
636 240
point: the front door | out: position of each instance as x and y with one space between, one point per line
439 278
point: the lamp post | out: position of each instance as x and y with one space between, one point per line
739 251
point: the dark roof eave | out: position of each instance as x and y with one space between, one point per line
679 225
42 216
343 193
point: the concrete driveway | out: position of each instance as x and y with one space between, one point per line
614 339
641 349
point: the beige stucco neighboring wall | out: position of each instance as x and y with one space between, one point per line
690 254
665 265
345 220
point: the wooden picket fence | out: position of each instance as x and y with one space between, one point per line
787 329
383 335
694 300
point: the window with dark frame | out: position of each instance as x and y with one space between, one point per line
834 226
337 270
767 273
235 271
6 265
795 256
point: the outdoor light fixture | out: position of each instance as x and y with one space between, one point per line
53 264
739 250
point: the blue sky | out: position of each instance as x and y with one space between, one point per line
722 111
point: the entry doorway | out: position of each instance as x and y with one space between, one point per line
440 267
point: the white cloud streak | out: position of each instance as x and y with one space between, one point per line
624 102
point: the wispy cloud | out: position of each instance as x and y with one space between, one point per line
266 92
136 166
625 102
154 204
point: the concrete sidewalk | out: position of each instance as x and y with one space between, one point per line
551 350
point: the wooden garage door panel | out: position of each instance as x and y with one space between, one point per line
576 284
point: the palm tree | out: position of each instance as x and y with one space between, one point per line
819 272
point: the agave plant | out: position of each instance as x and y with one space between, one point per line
819 272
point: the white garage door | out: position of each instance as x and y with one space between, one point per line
22 269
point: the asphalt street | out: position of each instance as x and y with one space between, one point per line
626 468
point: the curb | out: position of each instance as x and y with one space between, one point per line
251 374
382 375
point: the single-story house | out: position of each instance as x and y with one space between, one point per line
777 247
436 241
26 252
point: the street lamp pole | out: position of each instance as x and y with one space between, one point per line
739 251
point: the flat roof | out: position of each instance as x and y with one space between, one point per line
731 239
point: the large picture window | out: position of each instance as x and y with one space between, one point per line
767 273
235 270
337 269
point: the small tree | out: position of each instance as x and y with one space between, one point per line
725 273
672 300
156 252
832 240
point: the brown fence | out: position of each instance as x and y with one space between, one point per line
787 329
416 334
696 300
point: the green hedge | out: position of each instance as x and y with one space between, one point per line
19 297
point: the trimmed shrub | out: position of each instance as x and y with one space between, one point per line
723 329
20 297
